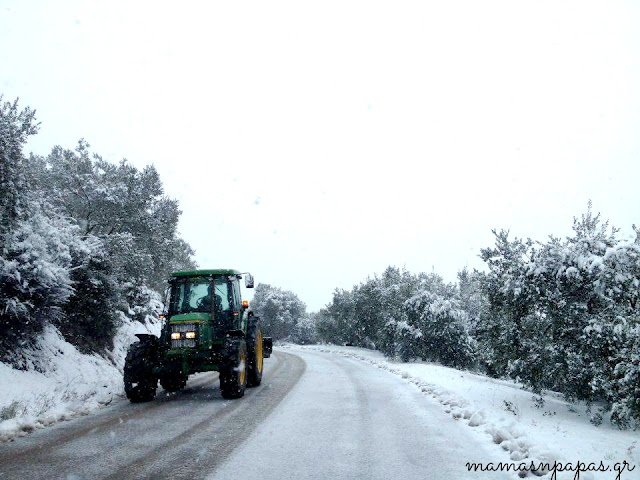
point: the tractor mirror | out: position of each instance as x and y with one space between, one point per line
248 280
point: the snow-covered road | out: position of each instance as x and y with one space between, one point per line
348 420
317 415
183 435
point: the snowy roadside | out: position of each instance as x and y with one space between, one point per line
61 383
505 414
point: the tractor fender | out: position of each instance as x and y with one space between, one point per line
148 339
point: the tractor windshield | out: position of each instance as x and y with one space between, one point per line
195 295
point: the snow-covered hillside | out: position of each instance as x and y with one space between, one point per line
59 382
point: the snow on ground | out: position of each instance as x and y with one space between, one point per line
61 383
507 415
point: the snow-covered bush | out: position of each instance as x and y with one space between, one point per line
305 331
34 277
90 317
375 314
441 327
626 382
564 316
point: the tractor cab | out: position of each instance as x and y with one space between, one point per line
210 296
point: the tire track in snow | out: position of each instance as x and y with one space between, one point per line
212 440
74 430
364 412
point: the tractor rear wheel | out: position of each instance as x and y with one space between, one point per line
233 368
139 383
255 363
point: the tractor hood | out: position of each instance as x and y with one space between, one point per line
190 317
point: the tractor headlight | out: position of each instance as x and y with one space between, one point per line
175 336
190 335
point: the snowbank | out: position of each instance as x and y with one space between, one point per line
505 414
61 383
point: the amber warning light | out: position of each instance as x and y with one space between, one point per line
245 303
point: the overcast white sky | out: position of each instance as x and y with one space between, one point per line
316 143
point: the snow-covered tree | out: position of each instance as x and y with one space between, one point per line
557 315
16 126
338 319
82 240
374 313
472 297
108 200
502 335
35 241
283 315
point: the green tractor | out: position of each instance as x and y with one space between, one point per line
207 328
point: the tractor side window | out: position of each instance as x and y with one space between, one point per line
167 299
236 294
177 296
222 294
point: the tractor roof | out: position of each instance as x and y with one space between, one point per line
202 273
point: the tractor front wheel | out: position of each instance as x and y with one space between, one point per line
233 369
139 383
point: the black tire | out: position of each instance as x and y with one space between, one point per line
139 383
233 369
173 382
255 354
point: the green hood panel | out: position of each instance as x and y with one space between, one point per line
190 317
